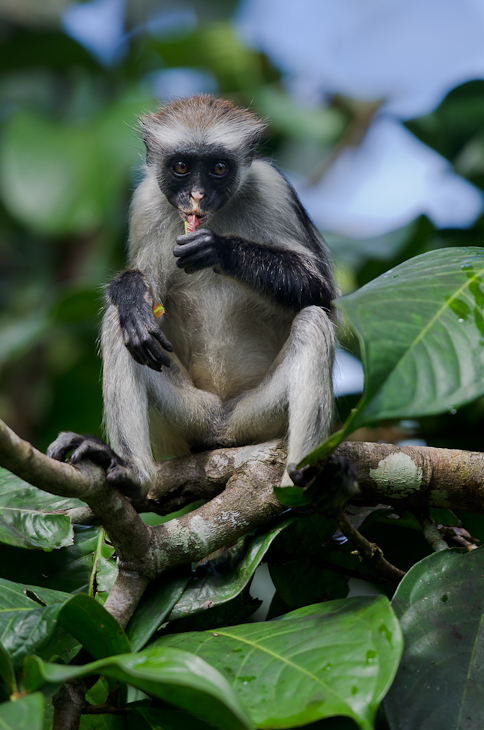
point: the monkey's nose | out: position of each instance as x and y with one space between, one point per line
197 195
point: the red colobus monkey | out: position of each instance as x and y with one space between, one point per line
244 350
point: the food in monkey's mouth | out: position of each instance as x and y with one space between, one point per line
192 222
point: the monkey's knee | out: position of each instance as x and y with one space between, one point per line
313 325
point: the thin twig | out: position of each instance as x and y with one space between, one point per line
369 551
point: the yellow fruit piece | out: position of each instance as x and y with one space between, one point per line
158 310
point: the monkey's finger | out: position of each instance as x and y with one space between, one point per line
198 260
166 344
65 442
144 355
199 235
189 248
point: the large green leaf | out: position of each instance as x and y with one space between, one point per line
335 658
175 676
421 333
26 713
154 607
7 672
421 330
96 629
222 579
25 519
440 682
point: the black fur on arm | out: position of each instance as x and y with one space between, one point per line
281 274
130 293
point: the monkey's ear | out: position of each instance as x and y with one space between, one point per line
152 149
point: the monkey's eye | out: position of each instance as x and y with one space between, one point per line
180 167
219 169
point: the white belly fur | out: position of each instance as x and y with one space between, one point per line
226 335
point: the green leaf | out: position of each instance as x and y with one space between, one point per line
68 569
24 625
175 676
335 658
26 713
440 682
168 720
20 334
222 579
421 331
96 629
154 607
7 672
24 515
61 178
302 582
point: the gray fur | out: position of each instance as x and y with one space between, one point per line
244 369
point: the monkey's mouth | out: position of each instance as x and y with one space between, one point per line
193 220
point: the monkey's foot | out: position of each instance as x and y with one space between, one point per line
330 489
85 446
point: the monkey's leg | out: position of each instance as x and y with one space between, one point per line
296 396
145 408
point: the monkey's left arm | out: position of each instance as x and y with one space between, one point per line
291 278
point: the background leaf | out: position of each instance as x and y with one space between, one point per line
154 607
220 580
95 628
27 626
440 682
335 658
26 713
24 515
69 569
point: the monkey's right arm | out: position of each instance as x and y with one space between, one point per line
130 294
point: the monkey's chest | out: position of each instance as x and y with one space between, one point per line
226 337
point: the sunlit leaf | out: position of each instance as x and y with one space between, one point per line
335 658
421 333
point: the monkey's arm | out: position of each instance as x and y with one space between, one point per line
130 293
283 274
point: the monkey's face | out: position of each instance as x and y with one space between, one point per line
198 184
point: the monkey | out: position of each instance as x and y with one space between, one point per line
244 350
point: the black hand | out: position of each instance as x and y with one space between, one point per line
85 446
141 334
197 250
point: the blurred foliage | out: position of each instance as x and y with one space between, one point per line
69 159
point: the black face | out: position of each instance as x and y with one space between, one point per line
198 183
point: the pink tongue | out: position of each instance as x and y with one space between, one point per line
192 223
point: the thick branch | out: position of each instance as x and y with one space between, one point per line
408 476
130 536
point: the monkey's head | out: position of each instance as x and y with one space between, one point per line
201 149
